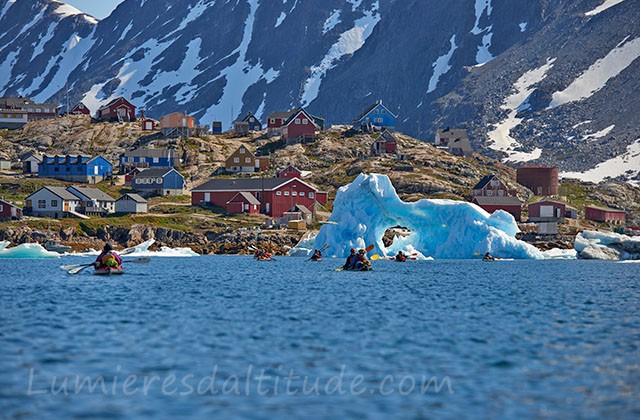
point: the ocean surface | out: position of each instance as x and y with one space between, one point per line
230 337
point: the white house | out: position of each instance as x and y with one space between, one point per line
93 201
52 202
30 164
131 203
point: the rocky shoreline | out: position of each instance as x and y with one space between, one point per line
238 241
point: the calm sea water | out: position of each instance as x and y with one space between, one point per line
232 337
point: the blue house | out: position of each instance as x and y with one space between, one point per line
378 116
158 181
75 168
146 158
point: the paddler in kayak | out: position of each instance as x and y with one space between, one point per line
350 264
400 257
108 258
263 255
488 257
362 263
317 255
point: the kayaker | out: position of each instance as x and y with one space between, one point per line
400 257
351 260
317 255
362 263
108 258
488 257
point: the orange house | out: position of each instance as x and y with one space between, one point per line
177 124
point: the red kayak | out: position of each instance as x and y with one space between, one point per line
108 271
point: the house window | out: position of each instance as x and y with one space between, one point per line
1 208
242 150
272 120
159 180
297 121
89 203
156 160
310 195
247 160
489 193
286 193
236 160
305 121
377 120
252 119
377 111
42 204
278 192
138 181
294 193
54 203
383 111
301 193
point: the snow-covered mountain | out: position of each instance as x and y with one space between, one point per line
545 81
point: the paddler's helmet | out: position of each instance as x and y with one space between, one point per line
352 250
361 251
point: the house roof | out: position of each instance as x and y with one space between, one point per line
134 197
152 153
8 203
452 133
483 182
61 192
250 198
548 201
281 115
154 172
249 115
295 113
609 209
92 193
368 110
114 101
498 201
20 103
248 184
303 209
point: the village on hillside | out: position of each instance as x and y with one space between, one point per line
265 175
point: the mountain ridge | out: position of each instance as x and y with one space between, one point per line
436 64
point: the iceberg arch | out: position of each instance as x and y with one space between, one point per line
366 208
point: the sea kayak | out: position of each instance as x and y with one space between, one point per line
108 271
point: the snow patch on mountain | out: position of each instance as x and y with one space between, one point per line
625 164
66 62
39 48
483 54
6 7
599 73
604 6
7 65
601 133
441 66
523 26
331 21
280 19
348 43
500 137
239 76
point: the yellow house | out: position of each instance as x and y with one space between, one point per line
243 160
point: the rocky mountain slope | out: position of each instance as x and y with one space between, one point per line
552 82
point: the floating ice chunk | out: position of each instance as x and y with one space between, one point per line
25 251
596 245
366 208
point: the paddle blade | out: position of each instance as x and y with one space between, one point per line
69 267
369 248
375 257
143 260
79 269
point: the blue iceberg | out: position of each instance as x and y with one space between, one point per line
25 251
366 208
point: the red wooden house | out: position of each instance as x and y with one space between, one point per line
511 205
80 109
274 195
118 109
9 211
546 211
289 172
604 214
299 128
275 122
243 202
129 175
385 143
